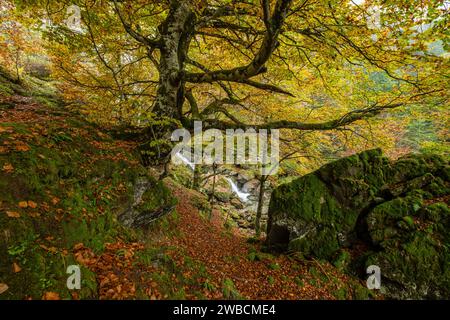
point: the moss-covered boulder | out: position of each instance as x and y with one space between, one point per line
306 209
151 200
413 240
398 210
317 213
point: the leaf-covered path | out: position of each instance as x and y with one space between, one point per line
226 255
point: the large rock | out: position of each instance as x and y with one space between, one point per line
324 206
150 200
397 209
413 240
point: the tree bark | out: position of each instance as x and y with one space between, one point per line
176 33
262 181
213 191
197 177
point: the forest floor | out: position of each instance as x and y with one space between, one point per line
186 256
211 261
227 255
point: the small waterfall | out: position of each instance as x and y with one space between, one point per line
242 195
186 160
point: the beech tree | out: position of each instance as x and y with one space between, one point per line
163 55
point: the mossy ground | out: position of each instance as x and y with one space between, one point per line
63 182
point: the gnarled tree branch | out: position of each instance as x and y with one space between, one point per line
139 37
256 66
321 126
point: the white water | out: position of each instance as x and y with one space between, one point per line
185 160
242 195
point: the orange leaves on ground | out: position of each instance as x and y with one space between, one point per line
16 268
13 214
114 268
3 287
49 249
23 204
59 214
83 255
6 129
22 147
75 295
29 204
78 246
32 204
34 214
51 296
8 168
214 249
45 207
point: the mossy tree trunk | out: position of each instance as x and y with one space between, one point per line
197 177
213 191
262 181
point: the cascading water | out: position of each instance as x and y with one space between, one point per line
185 160
242 195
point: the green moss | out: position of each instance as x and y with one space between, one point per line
273 266
362 293
299 282
93 233
341 294
41 270
418 264
307 198
255 255
343 260
389 213
182 175
229 290
438 187
6 90
318 213
436 212
8 85
222 196
409 220
156 196
319 243
415 165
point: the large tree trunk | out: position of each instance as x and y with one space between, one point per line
176 32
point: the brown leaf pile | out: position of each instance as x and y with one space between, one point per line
114 269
